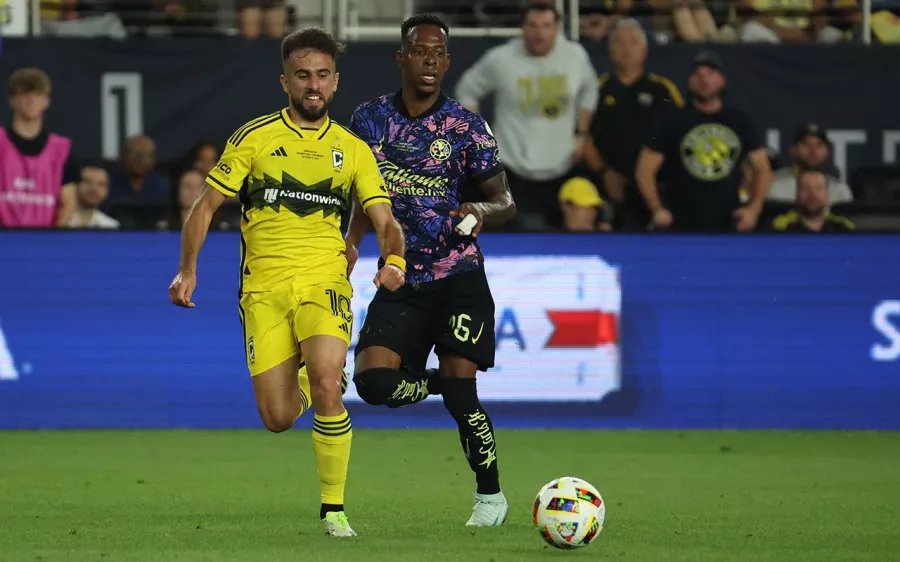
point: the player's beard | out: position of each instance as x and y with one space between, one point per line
311 114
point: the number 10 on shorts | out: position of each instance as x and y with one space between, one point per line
460 326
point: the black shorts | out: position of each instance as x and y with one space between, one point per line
451 315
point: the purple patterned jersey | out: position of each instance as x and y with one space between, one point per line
425 162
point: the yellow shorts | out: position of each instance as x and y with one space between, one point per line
276 321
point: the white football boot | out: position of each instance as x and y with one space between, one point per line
489 511
336 525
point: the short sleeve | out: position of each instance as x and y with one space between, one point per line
367 178
482 158
660 138
233 167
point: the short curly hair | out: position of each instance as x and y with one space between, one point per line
314 38
422 19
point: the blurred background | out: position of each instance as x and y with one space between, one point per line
131 102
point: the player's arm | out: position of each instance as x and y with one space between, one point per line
365 129
499 207
372 200
223 181
485 170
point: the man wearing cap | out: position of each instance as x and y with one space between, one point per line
812 152
582 208
703 147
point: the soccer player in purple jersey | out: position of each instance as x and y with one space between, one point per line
428 146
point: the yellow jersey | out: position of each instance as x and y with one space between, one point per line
293 185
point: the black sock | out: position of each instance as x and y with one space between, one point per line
326 507
434 381
476 432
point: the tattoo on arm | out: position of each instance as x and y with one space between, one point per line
500 206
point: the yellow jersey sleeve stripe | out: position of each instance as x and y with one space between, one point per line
375 199
249 124
674 93
240 138
843 221
782 222
221 186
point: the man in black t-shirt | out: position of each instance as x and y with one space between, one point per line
702 147
631 104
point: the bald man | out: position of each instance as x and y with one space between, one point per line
135 178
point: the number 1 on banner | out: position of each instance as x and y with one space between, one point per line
122 104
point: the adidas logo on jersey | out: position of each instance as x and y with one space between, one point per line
279 152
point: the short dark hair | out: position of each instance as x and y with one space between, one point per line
314 38
540 7
422 19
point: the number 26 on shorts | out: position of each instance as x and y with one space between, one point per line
460 326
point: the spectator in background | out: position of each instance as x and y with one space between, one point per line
787 21
250 18
582 207
276 20
811 151
631 103
37 172
189 188
703 146
92 192
136 179
692 20
812 212
201 157
270 18
190 185
545 92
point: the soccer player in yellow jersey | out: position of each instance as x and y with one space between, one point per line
294 171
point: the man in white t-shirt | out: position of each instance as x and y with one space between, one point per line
92 191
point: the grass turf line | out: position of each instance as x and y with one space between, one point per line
246 495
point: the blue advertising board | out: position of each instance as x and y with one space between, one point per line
665 331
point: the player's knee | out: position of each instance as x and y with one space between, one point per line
376 386
325 388
277 419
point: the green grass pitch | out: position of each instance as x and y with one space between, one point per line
247 495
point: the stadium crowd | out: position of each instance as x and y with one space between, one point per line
607 156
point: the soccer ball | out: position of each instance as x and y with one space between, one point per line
569 512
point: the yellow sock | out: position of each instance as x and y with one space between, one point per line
331 442
303 378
